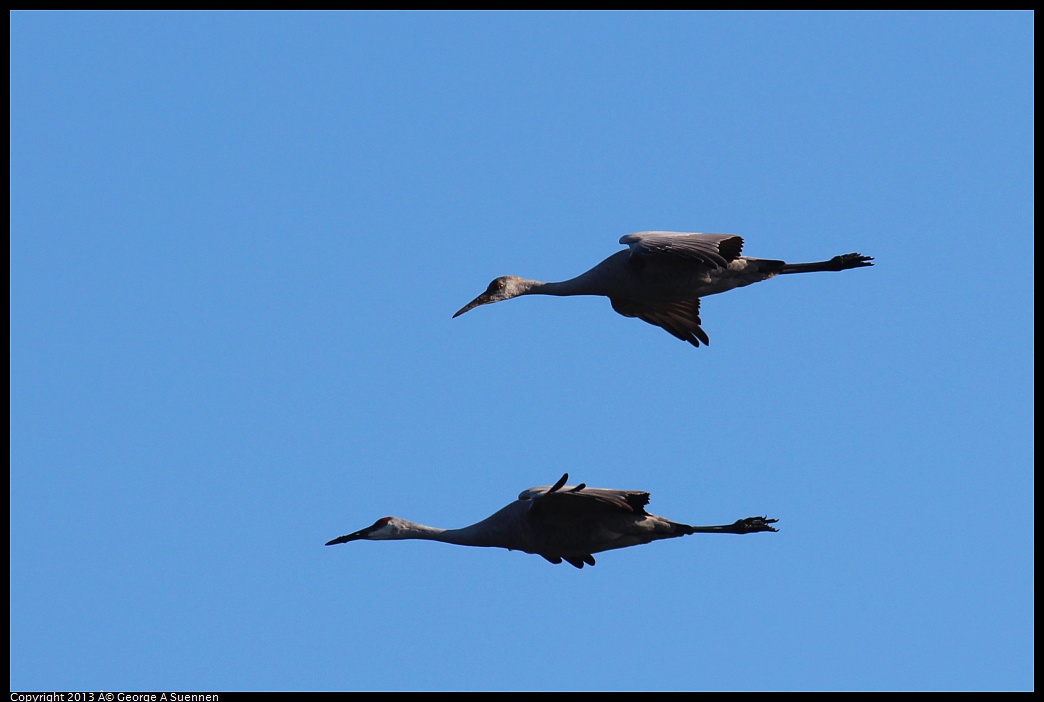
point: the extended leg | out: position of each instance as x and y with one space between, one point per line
749 525
837 263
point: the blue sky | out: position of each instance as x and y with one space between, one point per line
236 244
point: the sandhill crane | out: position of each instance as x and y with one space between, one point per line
661 277
561 523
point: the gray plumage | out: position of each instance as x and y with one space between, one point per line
561 523
661 277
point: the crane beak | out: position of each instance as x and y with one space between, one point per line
482 299
343 539
354 536
377 527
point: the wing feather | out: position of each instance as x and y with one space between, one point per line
681 319
588 500
714 250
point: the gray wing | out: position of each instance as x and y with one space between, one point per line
573 521
580 498
714 250
681 319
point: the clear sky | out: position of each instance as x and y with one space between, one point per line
236 244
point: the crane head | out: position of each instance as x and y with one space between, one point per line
383 529
503 288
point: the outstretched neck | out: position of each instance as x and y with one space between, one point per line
474 535
413 530
584 284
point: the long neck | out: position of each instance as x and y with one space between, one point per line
474 535
413 530
561 289
501 529
593 282
611 276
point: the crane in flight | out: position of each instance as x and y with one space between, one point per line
561 523
661 277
